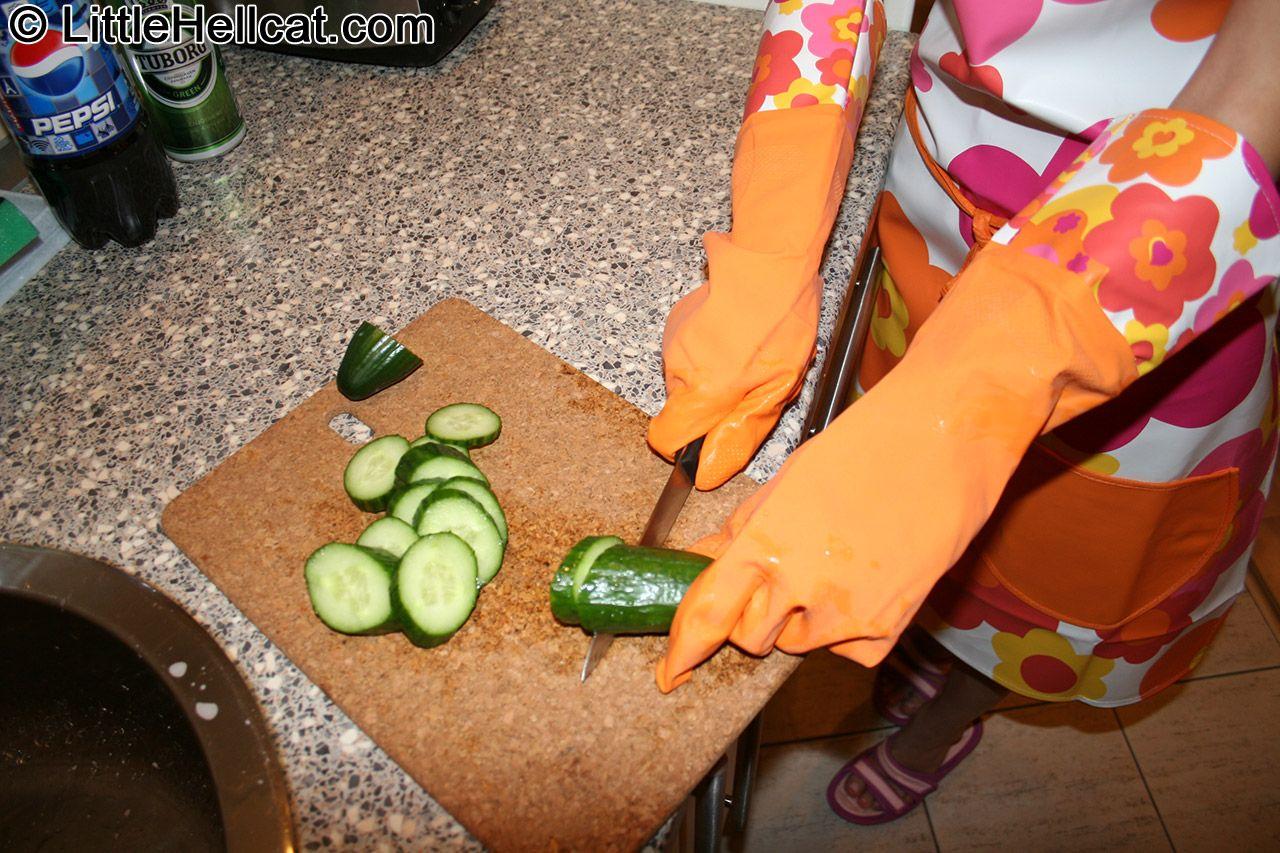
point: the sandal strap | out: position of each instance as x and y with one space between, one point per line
917 784
884 779
876 783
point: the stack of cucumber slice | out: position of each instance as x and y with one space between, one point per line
418 569
607 586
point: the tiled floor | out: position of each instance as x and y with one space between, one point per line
1195 769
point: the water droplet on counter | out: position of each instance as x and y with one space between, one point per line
178 669
206 710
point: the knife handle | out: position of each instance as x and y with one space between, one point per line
687 458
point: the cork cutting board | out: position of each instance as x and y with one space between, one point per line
495 724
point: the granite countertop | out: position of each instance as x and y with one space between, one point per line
558 171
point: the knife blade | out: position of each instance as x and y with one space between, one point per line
661 520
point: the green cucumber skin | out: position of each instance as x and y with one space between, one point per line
636 590
373 362
415 635
393 502
388 564
499 518
426 439
415 456
563 605
374 505
418 637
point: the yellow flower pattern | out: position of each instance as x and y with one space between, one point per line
890 332
803 93
1243 239
1163 138
1043 665
1150 344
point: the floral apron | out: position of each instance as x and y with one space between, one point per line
1089 582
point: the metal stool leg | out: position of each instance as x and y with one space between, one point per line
744 774
708 809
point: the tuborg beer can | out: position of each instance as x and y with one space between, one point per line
186 92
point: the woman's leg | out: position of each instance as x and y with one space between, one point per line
903 694
923 743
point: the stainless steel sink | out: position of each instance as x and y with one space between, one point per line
123 726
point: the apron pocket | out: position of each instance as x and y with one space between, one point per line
1097 551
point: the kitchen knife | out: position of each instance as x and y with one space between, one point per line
661 520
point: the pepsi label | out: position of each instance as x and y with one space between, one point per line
62 99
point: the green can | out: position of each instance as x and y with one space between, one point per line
187 95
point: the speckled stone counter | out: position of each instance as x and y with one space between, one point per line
557 171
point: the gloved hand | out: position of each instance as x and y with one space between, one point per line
842 546
736 348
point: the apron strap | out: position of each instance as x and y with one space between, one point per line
985 223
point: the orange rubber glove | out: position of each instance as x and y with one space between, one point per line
736 348
845 542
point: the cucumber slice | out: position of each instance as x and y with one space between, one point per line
389 534
350 588
426 439
483 496
457 513
465 424
635 590
373 361
435 588
436 461
370 476
568 578
407 500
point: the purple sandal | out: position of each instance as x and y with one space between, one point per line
905 665
884 778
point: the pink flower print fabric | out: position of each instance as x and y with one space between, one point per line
816 53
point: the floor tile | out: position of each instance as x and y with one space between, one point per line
1244 642
827 695
790 812
1052 777
1210 752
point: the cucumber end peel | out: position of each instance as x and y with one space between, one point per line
373 362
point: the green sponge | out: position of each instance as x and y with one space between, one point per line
16 231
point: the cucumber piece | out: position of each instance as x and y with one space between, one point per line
464 424
435 588
407 500
391 535
426 439
635 590
436 461
370 476
350 588
451 511
373 361
483 496
573 568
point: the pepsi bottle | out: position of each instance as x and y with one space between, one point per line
83 133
